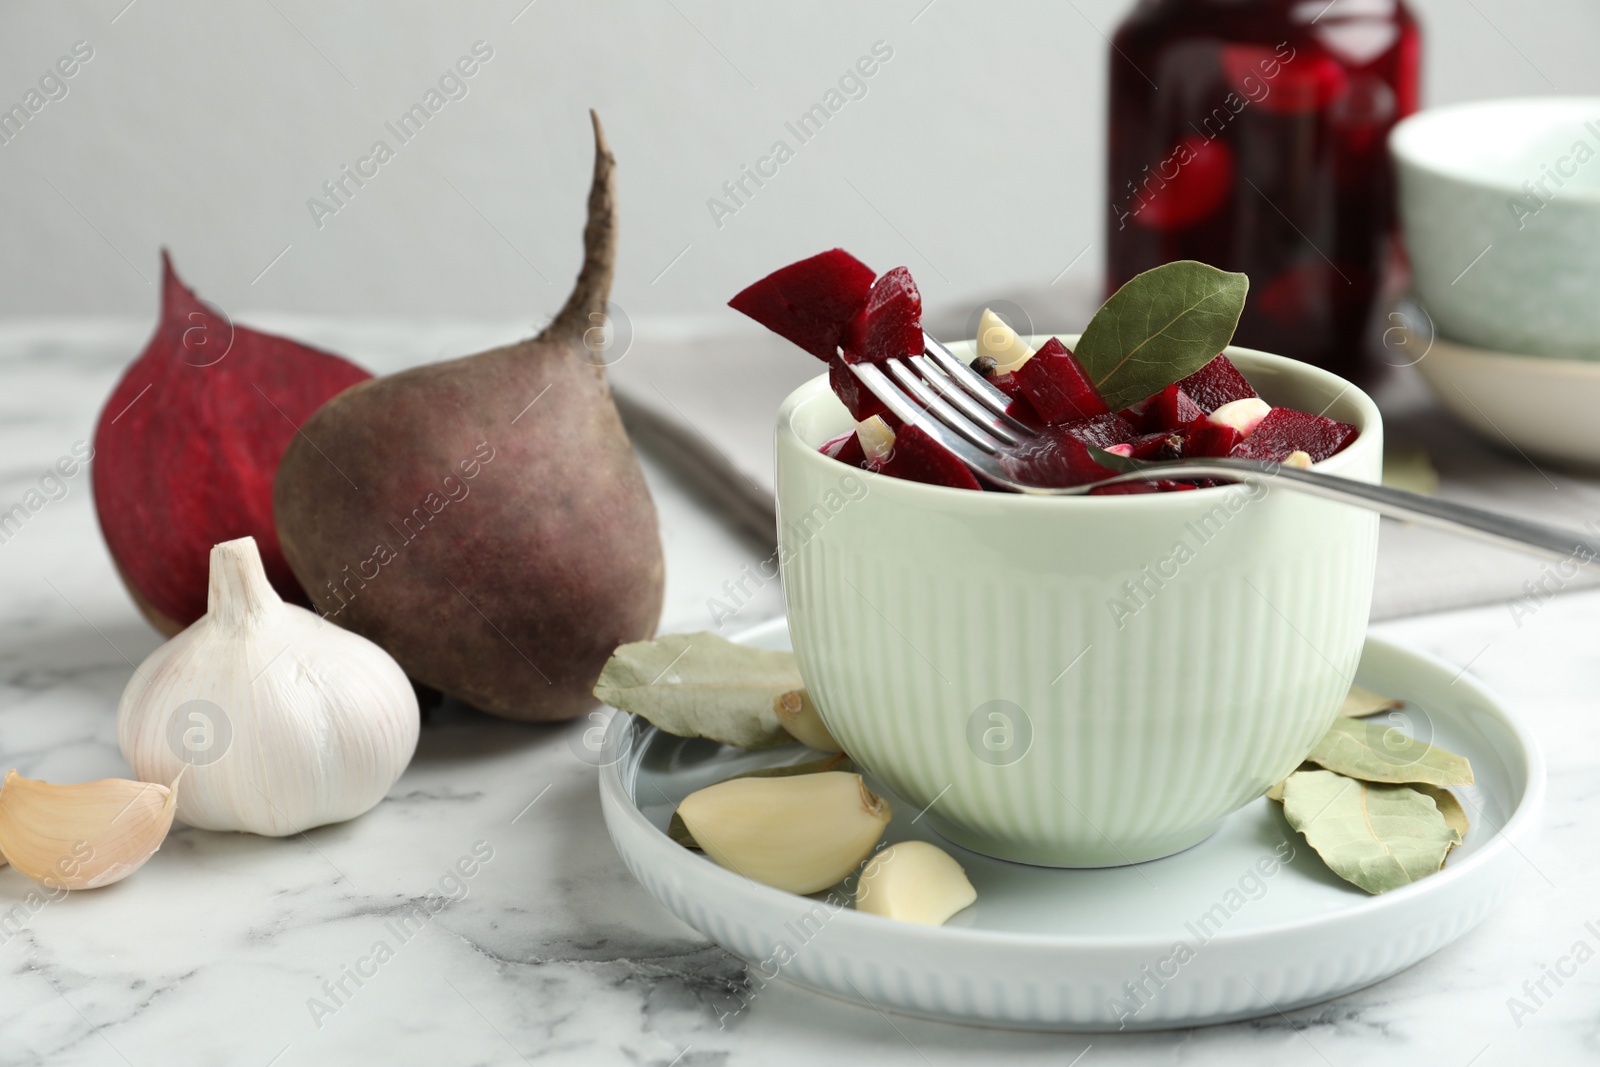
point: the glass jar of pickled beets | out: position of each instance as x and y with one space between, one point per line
1251 135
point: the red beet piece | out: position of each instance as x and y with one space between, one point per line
810 302
1102 431
1216 384
188 444
846 448
890 324
1020 408
1163 444
919 458
1058 387
1286 430
1054 459
848 388
1209 439
1170 409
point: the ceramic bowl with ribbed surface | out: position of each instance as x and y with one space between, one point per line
1076 681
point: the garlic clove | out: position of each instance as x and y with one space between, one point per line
798 715
1298 460
1000 343
914 882
876 437
802 833
1243 415
83 836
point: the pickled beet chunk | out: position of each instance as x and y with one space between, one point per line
1170 409
849 389
1101 431
1286 430
889 324
1056 459
1019 408
918 457
1058 387
811 302
1215 384
1209 439
846 448
1163 444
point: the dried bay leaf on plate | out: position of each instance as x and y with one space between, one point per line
1455 816
1160 327
1359 703
1373 752
1378 837
700 685
1276 792
678 830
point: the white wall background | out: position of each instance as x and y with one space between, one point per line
975 158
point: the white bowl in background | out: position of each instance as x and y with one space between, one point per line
1500 263
1543 407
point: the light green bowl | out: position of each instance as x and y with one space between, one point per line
1076 681
1500 262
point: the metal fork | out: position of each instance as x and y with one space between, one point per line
955 406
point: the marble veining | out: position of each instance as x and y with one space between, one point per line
234 949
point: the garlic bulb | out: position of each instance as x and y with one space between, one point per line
284 720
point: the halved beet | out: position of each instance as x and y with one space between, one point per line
1101 431
846 448
1170 409
1209 439
1057 386
1056 459
1286 430
919 458
810 302
1216 384
889 324
848 388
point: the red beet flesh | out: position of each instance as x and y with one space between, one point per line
890 324
1057 386
1286 430
1215 384
188 444
1170 409
918 457
810 302
1056 459
855 396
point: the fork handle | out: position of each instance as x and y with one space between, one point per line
1536 538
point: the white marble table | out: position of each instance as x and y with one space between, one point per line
218 951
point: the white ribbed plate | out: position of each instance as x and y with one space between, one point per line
1056 949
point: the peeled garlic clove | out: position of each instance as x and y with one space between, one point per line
802 833
83 836
914 882
799 717
1243 415
1000 343
876 437
1298 460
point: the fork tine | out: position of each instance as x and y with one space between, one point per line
964 400
974 384
936 406
908 410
